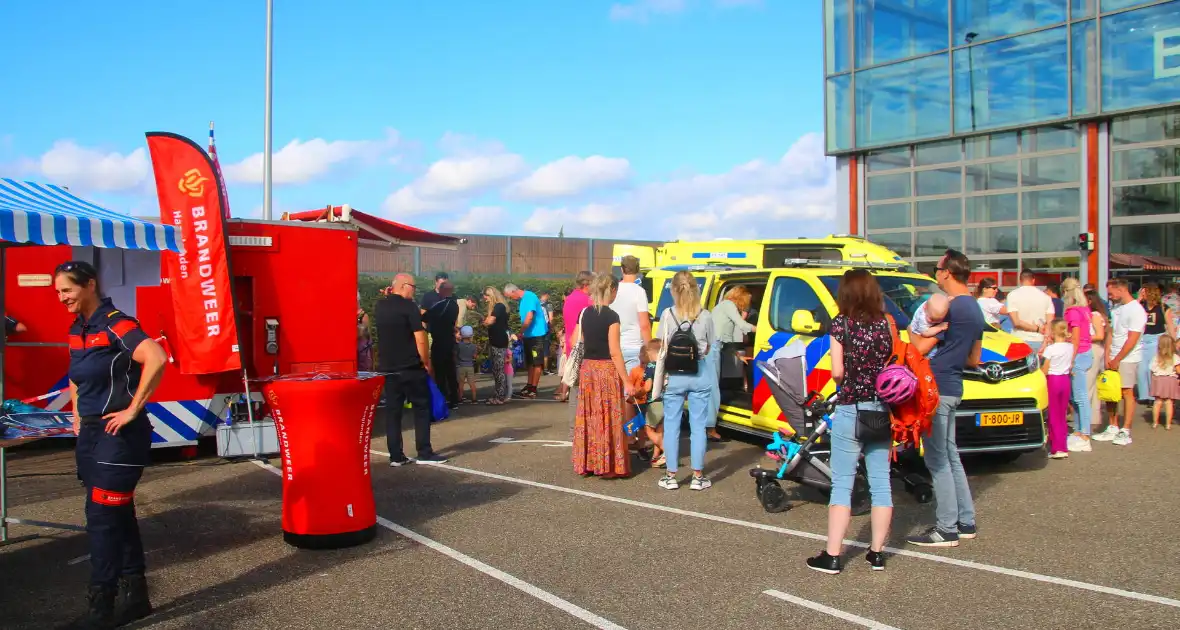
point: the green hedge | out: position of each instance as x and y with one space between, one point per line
467 285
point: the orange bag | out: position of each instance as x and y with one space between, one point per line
912 419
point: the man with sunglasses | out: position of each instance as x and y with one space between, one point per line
959 346
402 352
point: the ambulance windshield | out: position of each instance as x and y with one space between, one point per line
903 295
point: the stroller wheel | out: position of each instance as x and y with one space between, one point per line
923 493
773 497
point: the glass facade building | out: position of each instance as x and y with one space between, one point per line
1005 128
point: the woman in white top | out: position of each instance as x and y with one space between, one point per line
694 388
992 308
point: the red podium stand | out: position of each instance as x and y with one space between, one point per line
324 425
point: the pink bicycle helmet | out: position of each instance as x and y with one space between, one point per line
896 384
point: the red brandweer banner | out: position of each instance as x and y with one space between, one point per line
189 188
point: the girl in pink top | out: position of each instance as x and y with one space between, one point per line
575 303
1077 318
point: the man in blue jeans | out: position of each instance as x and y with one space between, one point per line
959 347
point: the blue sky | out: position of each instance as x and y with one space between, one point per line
654 118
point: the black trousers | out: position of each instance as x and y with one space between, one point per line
446 373
110 467
400 387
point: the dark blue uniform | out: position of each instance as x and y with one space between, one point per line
110 466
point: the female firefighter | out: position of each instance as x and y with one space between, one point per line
114 368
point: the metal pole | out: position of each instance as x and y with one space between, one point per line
3 495
266 151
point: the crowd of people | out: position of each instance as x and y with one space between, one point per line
1079 335
619 379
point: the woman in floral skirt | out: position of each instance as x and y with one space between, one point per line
600 446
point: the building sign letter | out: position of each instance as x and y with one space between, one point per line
1166 51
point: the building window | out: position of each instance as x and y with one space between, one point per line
993 240
1082 8
839 113
1141 57
887 30
988 19
936 242
903 101
888 216
889 186
1145 184
940 212
1049 237
993 208
1084 67
838 47
999 198
1011 82
898 242
939 181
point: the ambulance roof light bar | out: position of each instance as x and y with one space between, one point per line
841 264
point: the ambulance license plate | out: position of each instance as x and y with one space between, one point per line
1005 419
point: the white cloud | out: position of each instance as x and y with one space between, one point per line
571 176
641 10
300 162
87 169
794 196
479 220
471 168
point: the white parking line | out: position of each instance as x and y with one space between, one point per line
488 570
966 564
828 610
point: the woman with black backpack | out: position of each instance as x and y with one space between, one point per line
688 334
862 344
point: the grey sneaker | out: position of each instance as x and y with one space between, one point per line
934 537
700 483
668 482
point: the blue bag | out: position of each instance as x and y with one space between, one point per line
636 424
439 410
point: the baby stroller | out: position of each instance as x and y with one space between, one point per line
804 458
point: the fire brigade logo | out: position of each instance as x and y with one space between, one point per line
192 184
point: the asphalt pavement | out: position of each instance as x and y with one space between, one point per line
506 536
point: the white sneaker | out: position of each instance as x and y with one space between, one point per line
700 483
1123 439
668 482
1058 455
1077 444
1108 435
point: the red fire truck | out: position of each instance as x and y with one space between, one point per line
295 284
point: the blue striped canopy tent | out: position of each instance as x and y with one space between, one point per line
44 214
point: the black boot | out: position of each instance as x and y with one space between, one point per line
100 615
133 600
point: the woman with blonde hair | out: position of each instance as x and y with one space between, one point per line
601 447
497 323
1077 318
729 320
690 377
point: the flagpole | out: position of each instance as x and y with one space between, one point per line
266 152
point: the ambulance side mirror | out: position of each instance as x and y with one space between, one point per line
272 336
802 321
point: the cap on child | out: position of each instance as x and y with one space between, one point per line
466 332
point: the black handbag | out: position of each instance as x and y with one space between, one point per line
873 426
